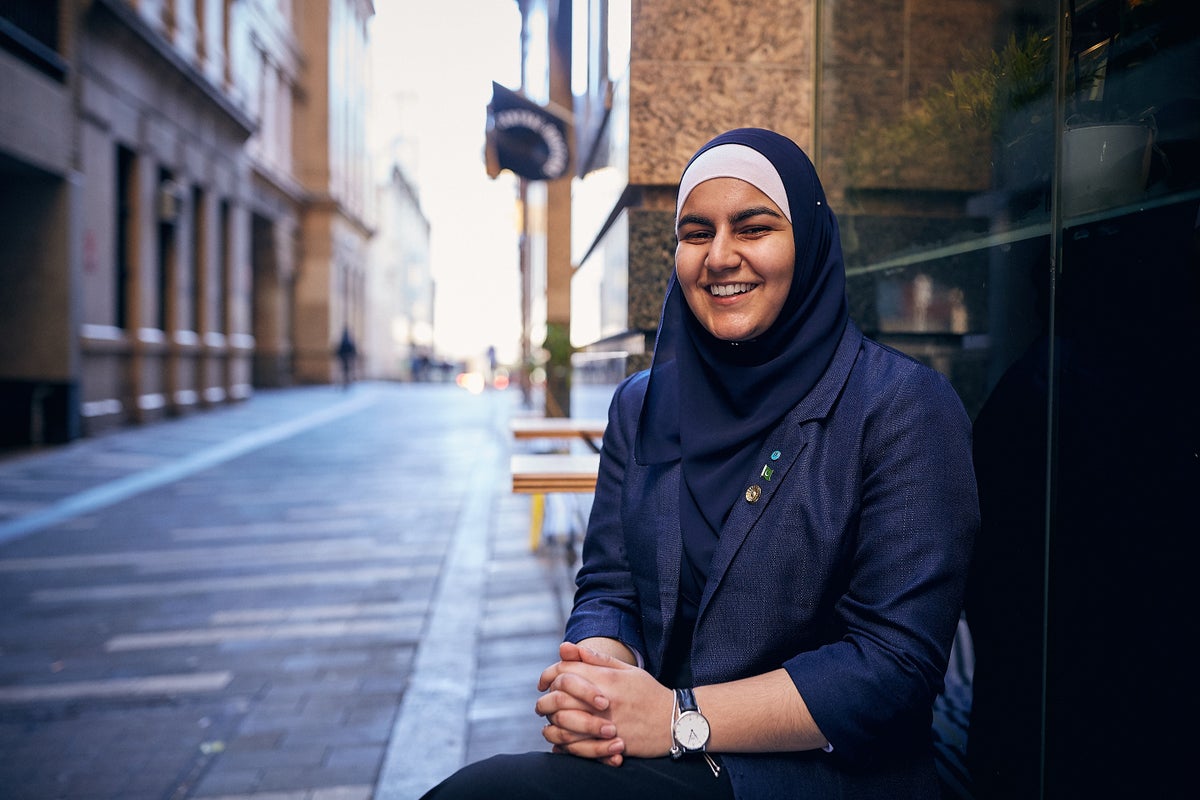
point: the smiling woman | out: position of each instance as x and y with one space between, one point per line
782 521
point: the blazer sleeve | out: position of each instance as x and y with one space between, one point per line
606 601
919 513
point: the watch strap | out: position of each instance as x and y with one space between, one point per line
687 700
676 750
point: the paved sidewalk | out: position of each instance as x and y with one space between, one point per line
116 553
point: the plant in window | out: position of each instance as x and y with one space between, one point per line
945 140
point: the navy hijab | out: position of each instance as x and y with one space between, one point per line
711 403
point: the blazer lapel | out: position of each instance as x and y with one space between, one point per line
669 539
779 453
782 449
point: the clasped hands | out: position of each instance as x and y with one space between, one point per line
597 706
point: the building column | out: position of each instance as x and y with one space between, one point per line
558 234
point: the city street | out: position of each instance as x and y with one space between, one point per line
314 595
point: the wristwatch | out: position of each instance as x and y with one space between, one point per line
690 728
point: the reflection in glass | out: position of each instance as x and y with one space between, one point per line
1043 254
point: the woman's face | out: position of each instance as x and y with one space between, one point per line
735 258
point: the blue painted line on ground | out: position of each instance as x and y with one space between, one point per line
115 491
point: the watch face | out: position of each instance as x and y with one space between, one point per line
691 730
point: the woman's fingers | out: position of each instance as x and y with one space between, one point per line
588 655
570 653
553 701
569 721
567 742
578 725
548 675
567 678
576 709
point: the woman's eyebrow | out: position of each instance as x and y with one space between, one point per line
693 219
735 218
754 211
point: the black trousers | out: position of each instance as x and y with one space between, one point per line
549 776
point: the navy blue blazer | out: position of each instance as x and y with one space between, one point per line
845 566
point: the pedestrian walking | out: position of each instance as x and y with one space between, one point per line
347 353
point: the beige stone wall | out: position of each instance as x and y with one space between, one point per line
699 67
875 73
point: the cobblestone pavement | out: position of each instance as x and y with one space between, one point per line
313 595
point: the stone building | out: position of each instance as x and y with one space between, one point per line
400 317
183 182
333 166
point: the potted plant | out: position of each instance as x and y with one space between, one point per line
1108 136
991 124
991 116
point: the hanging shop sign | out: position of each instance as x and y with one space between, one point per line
525 138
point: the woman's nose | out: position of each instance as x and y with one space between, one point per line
722 253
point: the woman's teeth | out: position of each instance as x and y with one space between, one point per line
726 290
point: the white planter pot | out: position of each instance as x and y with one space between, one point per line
1104 166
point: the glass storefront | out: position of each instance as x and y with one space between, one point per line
1018 183
1018 188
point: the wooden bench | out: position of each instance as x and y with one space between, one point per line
542 473
591 431
539 474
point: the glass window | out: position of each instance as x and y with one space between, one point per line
125 225
29 31
198 285
168 200
1031 232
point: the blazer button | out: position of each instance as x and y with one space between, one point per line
753 493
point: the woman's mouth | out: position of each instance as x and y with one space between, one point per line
729 289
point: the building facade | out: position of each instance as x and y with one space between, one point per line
333 166
270 63
1018 191
400 317
185 182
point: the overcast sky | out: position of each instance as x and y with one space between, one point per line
433 72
